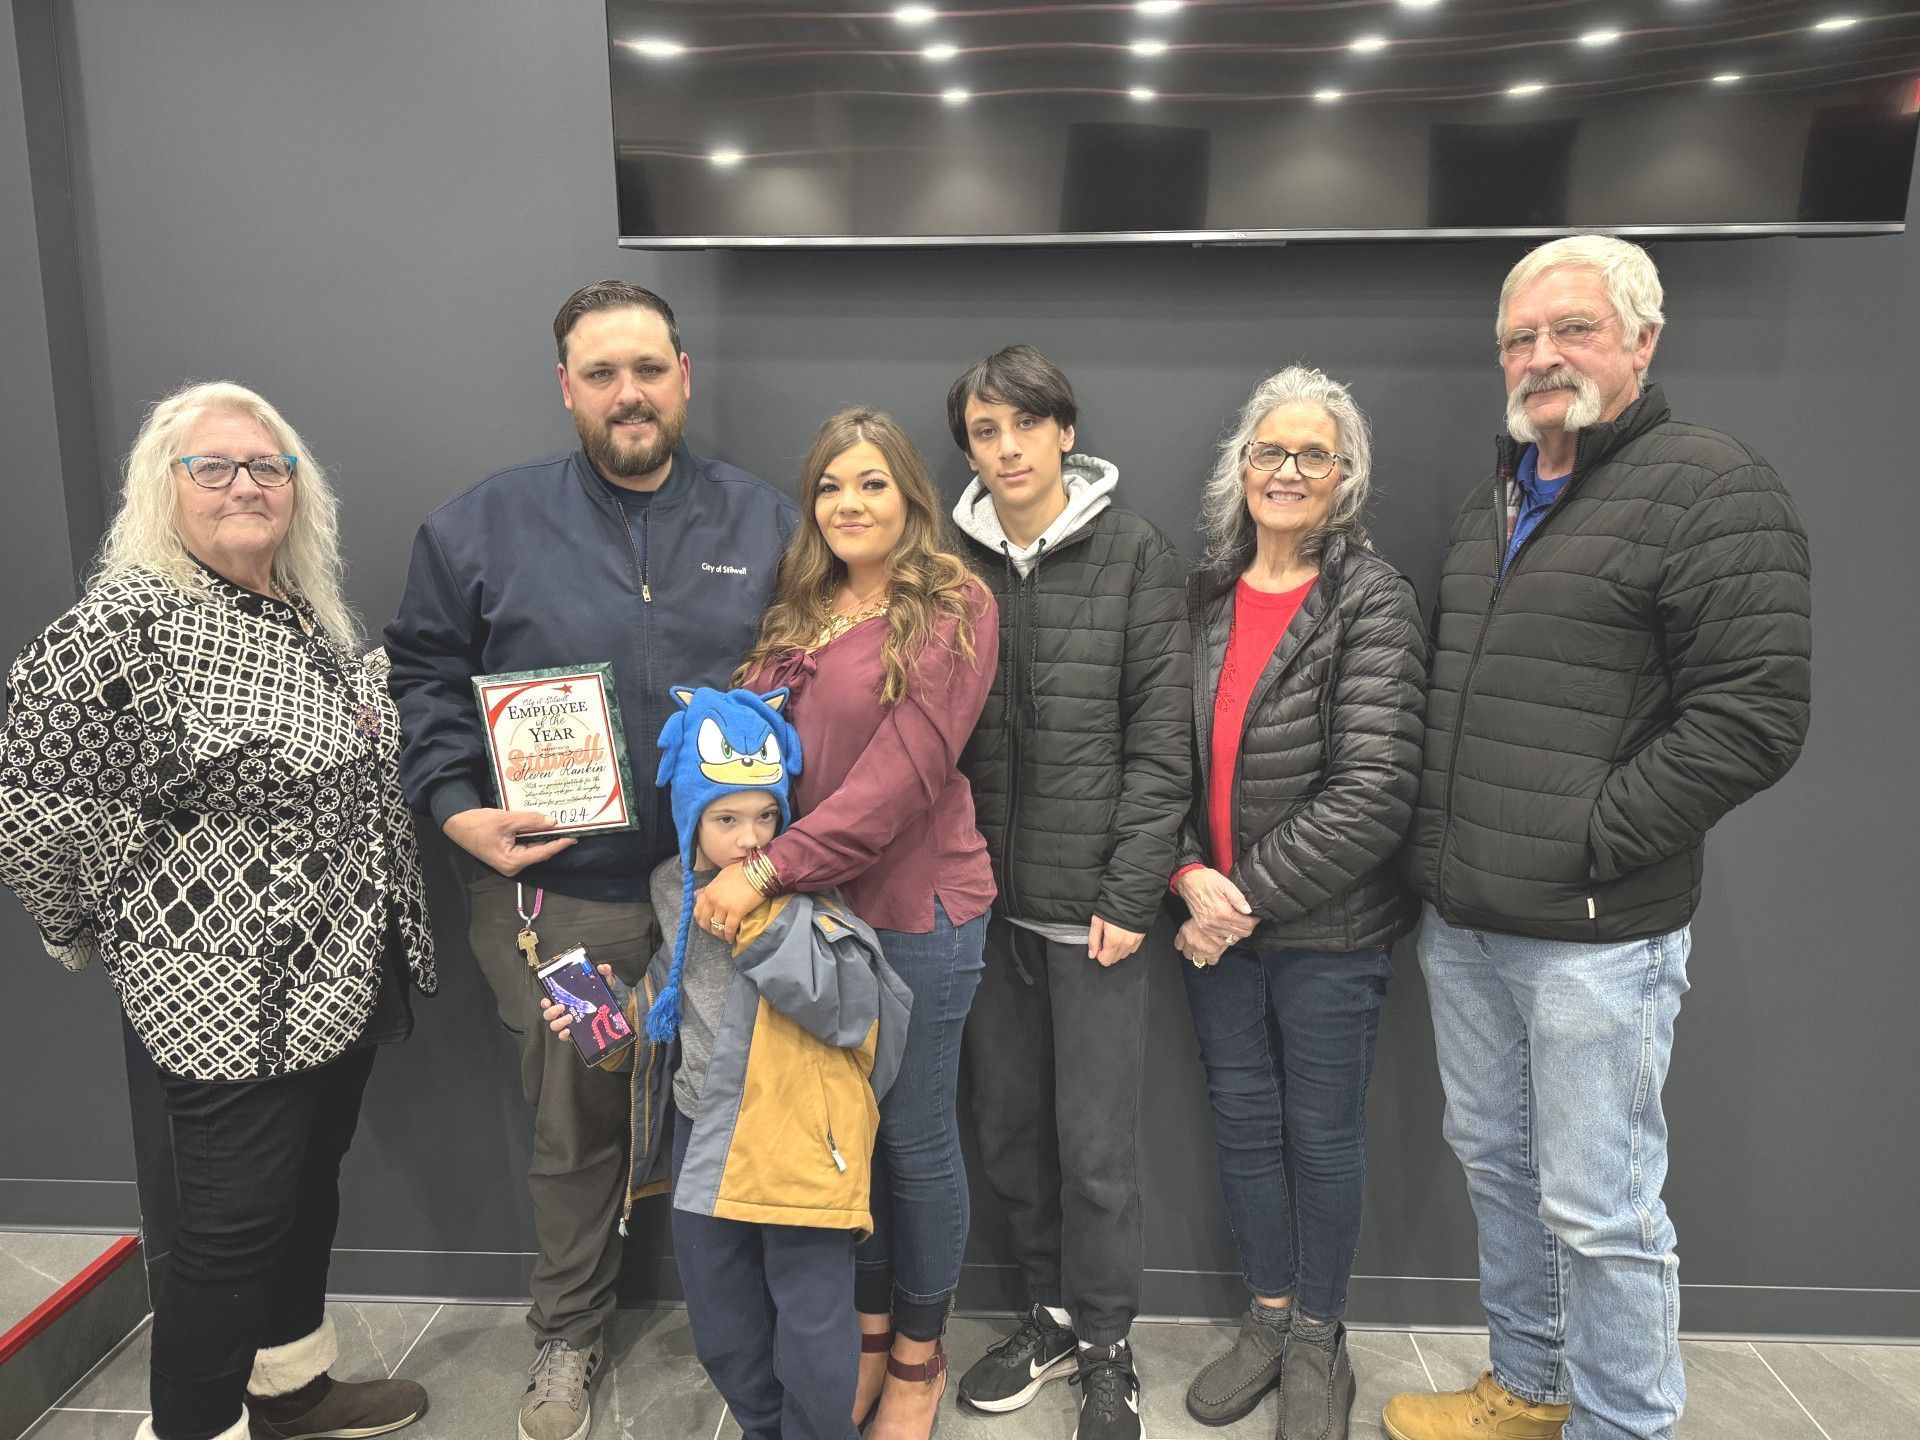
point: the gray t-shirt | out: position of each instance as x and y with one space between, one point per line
703 982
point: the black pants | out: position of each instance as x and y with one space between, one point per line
257 1165
1056 1050
771 1310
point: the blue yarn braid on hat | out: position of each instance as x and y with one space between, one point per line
719 742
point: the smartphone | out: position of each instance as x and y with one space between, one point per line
597 1026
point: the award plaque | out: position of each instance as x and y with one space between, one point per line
557 746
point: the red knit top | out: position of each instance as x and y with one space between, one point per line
1260 618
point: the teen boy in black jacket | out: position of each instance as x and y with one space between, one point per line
1079 778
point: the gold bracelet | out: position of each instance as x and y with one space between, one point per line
760 872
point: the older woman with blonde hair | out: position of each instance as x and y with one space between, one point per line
1310 672
198 786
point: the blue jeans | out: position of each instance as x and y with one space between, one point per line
1553 1053
911 1263
1300 1102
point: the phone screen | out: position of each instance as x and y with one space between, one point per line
597 1026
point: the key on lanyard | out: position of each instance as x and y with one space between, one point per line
527 940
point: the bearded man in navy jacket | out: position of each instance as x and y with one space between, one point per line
630 550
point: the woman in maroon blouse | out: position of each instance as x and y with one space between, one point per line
873 626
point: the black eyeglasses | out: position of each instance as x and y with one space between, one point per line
1313 463
216 472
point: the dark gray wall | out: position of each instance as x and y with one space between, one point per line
371 217
65 1120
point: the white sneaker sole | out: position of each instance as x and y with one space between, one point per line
586 1424
1058 1370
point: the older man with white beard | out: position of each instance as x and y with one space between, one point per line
1621 657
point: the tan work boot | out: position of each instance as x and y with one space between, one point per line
1489 1411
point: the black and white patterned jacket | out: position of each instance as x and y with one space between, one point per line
202 789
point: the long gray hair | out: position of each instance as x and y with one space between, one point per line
145 533
1226 526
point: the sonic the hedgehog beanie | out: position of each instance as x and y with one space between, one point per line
719 742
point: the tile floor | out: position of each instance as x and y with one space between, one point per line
471 1359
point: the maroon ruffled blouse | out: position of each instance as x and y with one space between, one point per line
883 810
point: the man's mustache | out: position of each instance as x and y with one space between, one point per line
1541 384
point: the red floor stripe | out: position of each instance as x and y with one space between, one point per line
67 1296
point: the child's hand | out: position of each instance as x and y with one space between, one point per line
556 1015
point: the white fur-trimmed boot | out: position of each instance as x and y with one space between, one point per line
290 1395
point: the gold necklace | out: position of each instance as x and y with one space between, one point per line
837 624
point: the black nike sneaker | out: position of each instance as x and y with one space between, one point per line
1011 1373
1109 1394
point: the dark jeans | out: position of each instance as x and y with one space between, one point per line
911 1263
1056 1050
578 1178
771 1309
1287 1037
152 1154
257 1166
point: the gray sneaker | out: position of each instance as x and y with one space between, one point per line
1231 1387
1316 1385
556 1406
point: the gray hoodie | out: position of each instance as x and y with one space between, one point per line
1090 483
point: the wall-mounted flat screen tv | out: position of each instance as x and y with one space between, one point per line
869 122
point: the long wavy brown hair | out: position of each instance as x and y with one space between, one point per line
927 581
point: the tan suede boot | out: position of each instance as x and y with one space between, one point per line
1489 1411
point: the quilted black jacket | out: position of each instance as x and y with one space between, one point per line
1079 762
1643 667
1329 754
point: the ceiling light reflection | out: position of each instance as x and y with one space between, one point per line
725 159
1327 97
1158 7
914 14
655 47
1142 94
1594 39
956 96
1368 44
937 53
1149 47
1838 22
1526 87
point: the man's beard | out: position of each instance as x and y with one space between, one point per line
608 456
1582 411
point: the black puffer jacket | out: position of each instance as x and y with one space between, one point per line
1078 764
1329 754
1642 668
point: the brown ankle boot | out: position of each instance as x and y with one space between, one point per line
1489 1411
340 1409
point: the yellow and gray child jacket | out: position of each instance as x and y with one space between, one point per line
810 1038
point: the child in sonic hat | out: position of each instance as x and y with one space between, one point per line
729 790
776 1049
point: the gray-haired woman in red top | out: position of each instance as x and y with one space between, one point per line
873 625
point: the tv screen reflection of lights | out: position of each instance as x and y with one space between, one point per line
968 122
